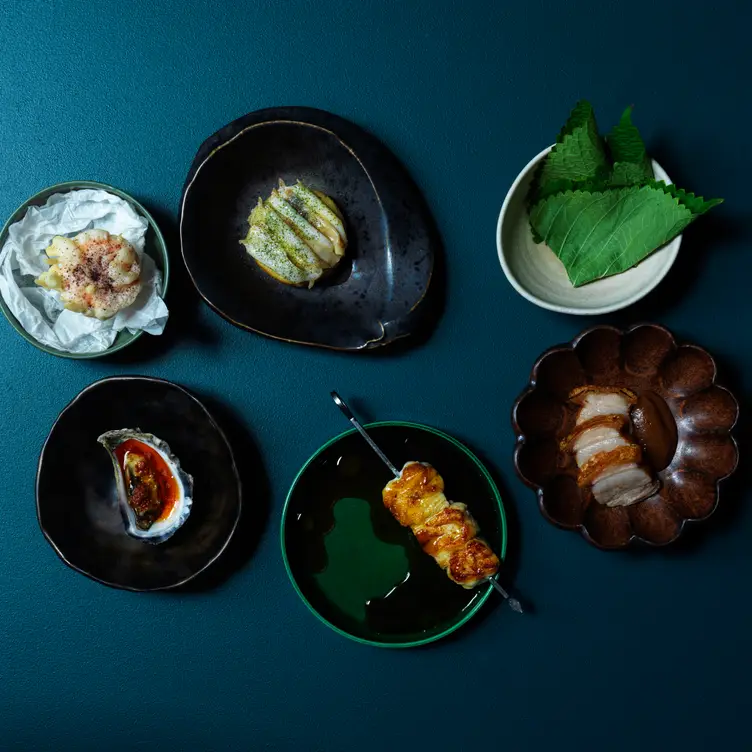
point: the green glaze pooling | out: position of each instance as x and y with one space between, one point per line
360 566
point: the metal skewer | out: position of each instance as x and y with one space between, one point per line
513 603
362 431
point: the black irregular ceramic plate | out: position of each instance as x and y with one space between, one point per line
373 297
76 498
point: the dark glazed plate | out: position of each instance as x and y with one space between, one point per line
76 498
680 380
372 298
352 563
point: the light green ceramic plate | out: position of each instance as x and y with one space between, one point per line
351 562
155 247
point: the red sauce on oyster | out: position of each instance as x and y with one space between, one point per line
150 466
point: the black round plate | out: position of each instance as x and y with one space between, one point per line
372 297
76 498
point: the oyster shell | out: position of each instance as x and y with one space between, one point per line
154 492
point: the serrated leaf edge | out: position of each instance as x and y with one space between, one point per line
625 191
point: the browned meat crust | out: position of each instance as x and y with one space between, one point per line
445 531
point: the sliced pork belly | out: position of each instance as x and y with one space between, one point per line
622 485
597 402
595 441
609 461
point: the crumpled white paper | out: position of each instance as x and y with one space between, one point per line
40 311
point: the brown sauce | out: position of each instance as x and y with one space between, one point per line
654 427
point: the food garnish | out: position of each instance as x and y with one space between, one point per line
596 203
296 235
96 274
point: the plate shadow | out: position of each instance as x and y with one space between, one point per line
256 505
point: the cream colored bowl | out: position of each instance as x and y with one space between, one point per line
537 274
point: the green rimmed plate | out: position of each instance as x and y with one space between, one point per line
155 247
354 566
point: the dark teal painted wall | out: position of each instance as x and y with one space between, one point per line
644 651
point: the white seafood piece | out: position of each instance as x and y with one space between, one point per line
262 247
297 251
596 440
133 479
122 262
96 273
622 485
291 236
65 249
318 211
597 404
317 241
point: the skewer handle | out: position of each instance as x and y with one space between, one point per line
513 603
362 431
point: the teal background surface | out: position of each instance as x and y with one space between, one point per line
647 649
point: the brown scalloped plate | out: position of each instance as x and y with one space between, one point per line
679 382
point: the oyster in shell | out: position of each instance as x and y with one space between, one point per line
154 492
